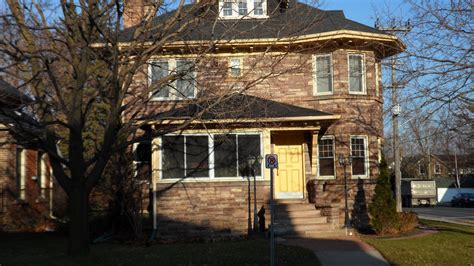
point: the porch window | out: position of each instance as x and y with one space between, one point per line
208 156
323 74
182 84
359 156
326 157
356 74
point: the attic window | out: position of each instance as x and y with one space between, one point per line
245 9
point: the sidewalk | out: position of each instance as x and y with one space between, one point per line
345 250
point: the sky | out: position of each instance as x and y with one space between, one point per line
364 11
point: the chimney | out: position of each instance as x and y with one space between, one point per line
135 11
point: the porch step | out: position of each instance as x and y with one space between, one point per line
300 219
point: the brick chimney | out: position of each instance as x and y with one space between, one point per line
135 11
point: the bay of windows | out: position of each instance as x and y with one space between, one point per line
183 84
242 8
204 156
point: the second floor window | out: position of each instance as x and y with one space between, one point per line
235 67
182 84
356 74
323 75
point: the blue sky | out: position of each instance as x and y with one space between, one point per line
363 11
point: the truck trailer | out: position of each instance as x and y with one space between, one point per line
417 192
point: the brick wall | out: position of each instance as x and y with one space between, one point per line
207 208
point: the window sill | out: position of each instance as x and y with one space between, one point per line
325 178
170 99
357 93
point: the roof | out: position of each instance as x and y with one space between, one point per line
244 107
9 95
298 19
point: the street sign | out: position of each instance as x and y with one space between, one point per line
271 161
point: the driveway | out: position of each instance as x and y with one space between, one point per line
448 214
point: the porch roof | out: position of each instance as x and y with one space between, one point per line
241 108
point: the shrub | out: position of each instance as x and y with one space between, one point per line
407 221
384 218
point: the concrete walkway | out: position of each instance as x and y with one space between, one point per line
346 250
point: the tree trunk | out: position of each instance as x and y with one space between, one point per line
79 225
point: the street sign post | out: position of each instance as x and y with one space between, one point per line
271 162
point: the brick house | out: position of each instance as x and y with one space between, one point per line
323 100
28 198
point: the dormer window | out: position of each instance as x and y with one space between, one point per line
235 9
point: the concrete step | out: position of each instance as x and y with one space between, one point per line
295 207
300 220
297 214
326 233
302 227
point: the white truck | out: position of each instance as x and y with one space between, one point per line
417 192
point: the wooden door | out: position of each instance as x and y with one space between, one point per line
289 179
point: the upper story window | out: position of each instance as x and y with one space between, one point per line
232 9
183 79
437 168
235 67
356 74
326 157
323 74
360 158
421 169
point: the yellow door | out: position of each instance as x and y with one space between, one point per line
289 179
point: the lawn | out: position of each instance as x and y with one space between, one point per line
50 250
453 245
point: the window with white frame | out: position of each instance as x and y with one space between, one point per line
356 74
359 156
323 74
437 168
326 157
21 172
235 66
233 9
182 83
204 156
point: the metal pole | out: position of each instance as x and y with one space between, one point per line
347 223
255 217
396 140
272 211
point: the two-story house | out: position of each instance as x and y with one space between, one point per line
275 77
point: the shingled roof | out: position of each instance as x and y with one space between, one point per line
242 107
298 19
10 96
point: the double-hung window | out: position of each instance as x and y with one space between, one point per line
326 158
181 83
235 9
21 173
356 74
208 156
323 74
359 155
437 168
235 67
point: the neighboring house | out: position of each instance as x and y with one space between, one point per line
424 167
328 102
26 186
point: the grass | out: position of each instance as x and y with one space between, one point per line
452 245
50 250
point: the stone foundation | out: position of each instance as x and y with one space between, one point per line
208 209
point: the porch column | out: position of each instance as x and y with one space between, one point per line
314 153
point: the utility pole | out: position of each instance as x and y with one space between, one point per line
396 109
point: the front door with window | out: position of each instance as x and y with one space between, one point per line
289 179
